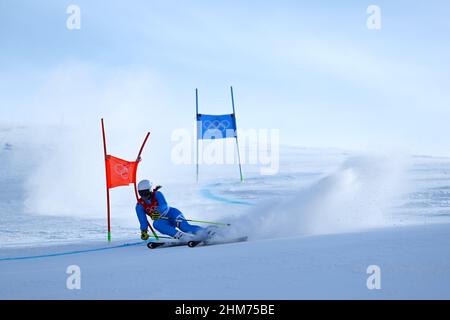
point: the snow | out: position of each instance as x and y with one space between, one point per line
414 264
314 228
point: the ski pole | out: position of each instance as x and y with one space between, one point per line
199 221
153 231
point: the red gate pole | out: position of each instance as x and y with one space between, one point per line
138 159
107 187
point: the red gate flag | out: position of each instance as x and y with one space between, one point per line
120 172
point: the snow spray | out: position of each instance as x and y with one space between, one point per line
356 196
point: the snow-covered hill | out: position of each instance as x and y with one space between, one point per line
414 264
314 229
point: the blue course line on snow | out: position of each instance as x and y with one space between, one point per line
71 252
208 194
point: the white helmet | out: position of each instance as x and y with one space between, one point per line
145 185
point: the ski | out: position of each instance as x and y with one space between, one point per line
165 244
210 242
192 243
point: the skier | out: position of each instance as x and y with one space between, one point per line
167 220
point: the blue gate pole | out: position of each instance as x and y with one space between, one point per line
237 141
196 122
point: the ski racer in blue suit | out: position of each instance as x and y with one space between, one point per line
167 220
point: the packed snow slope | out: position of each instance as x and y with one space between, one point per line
414 264
314 227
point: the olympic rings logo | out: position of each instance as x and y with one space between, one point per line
122 171
216 125
151 209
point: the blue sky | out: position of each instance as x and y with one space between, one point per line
309 68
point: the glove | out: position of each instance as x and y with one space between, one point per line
144 235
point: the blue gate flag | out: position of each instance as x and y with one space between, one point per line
216 127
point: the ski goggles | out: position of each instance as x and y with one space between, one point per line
144 193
